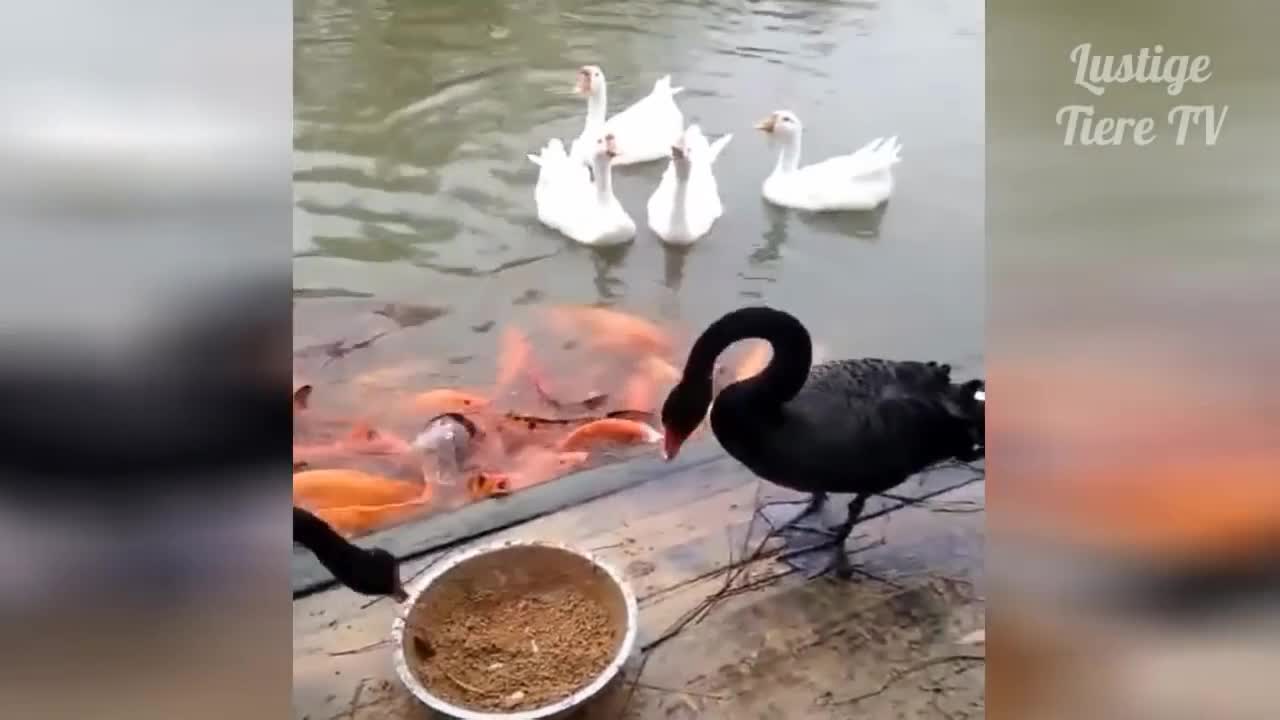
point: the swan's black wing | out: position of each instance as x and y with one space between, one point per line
869 379
866 425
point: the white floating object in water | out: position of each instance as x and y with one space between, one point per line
446 439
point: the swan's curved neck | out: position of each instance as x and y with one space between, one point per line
788 154
604 181
792 351
680 203
597 103
336 554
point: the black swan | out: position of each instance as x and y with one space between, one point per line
848 426
368 572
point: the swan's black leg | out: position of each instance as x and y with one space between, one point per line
775 503
900 498
839 561
814 507
835 560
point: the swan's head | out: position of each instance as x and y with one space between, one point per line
606 149
781 124
377 574
690 147
680 157
682 413
590 80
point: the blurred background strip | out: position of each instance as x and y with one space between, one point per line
1134 434
144 336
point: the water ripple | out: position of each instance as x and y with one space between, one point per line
413 121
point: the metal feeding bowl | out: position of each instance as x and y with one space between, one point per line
511 566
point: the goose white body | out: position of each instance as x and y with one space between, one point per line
861 180
574 204
645 131
686 202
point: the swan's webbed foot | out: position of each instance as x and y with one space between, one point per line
829 558
818 560
836 560
837 564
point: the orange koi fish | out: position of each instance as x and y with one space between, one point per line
611 328
320 489
362 440
447 400
515 356
352 520
615 430
756 360
537 465
301 398
485 485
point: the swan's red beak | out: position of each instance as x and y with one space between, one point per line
583 86
767 124
671 443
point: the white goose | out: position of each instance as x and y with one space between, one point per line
686 202
648 128
582 209
861 180
559 182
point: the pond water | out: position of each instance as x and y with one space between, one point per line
414 211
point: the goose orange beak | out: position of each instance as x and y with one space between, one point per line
767 124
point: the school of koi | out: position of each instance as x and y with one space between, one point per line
432 449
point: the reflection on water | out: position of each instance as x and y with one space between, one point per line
413 189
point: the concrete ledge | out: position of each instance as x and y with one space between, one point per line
448 529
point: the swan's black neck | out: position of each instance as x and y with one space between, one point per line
332 550
792 351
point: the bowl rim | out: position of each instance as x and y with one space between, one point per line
419 586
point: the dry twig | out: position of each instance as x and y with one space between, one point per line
355 700
674 691
897 675
736 568
358 650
